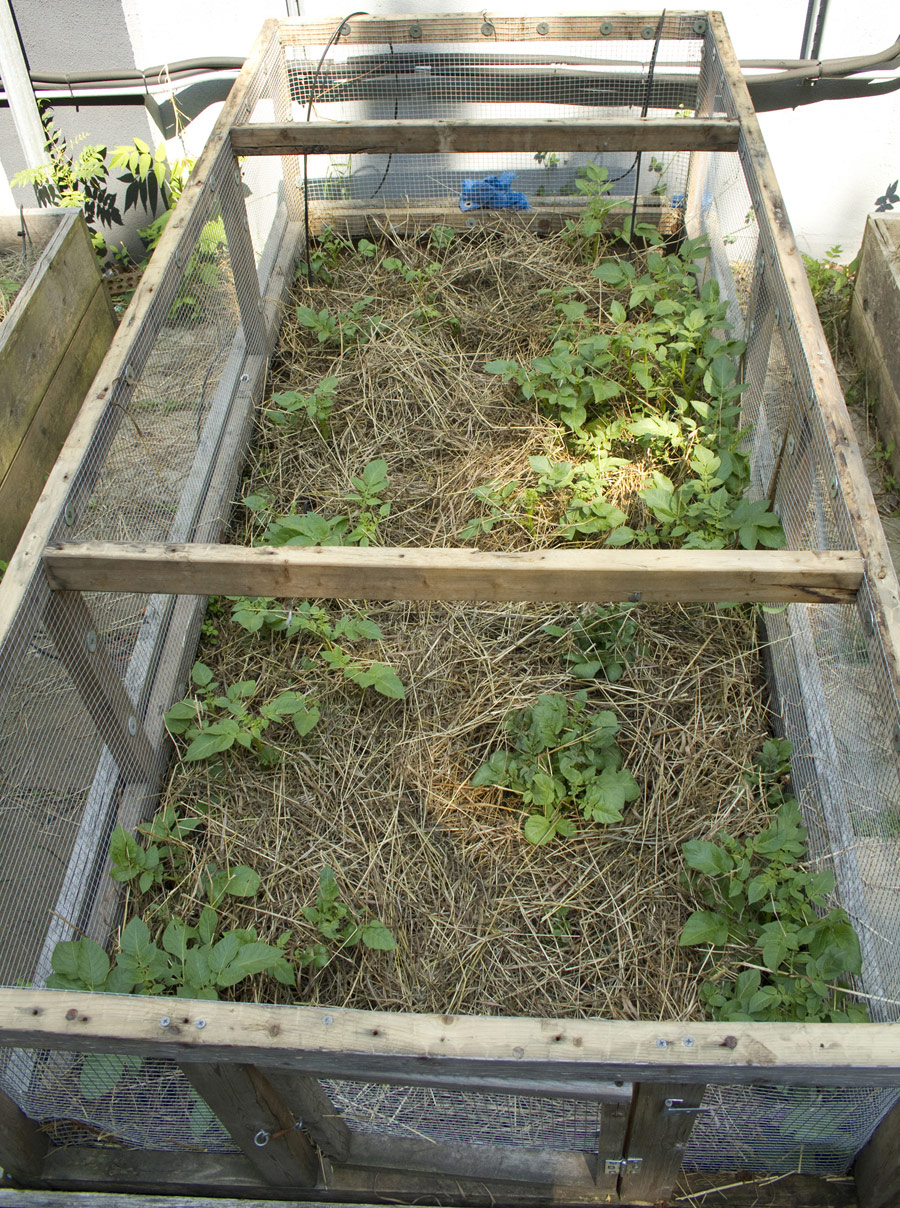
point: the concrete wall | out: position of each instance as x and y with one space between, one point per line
832 159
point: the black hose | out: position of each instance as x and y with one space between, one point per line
312 96
644 108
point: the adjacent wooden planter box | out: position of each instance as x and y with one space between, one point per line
875 322
51 345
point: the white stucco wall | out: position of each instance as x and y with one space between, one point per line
832 158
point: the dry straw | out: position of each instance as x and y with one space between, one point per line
380 791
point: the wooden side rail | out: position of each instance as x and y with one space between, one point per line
337 572
428 136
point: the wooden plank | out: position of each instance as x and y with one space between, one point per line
418 136
420 29
258 1121
496 1163
716 1190
372 1045
240 253
547 215
79 644
26 473
770 210
40 326
97 420
307 1099
876 1171
23 1146
661 1122
455 574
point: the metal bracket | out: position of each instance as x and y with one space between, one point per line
622 1165
673 1106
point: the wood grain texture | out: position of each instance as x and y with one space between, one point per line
420 29
23 478
258 1121
40 326
308 1101
455 574
426 136
23 1146
876 1171
371 1044
657 1135
771 213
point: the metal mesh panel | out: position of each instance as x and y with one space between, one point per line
425 1113
779 1130
433 79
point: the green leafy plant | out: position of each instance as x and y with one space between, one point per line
287 407
214 722
357 528
325 639
588 230
352 327
781 953
563 760
337 925
602 642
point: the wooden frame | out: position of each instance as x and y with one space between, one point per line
260 1068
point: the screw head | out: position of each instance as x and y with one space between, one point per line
543 28
327 1020
132 726
648 32
688 1042
69 514
662 1044
699 26
415 31
487 29
345 31
606 28
789 446
165 1021
200 1023
90 640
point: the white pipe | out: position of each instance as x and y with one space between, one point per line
19 93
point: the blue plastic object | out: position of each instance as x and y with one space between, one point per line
492 193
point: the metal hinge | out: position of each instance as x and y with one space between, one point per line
677 1105
623 1165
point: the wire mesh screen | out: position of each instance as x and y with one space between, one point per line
429 75
79 753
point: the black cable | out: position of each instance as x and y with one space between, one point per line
644 108
387 166
312 97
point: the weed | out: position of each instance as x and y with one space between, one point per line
288 407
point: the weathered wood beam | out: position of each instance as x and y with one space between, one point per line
366 1045
773 576
258 1121
661 1121
876 1171
23 1146
416 136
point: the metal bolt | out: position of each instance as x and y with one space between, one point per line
415 31
487 29
200 1023
327 1020
165 1021
261 1140
245 377
648 32
90 640
543 28
699 26
662 1044
69 514
132 726
688 1042
606 28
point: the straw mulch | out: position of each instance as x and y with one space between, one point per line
380 791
